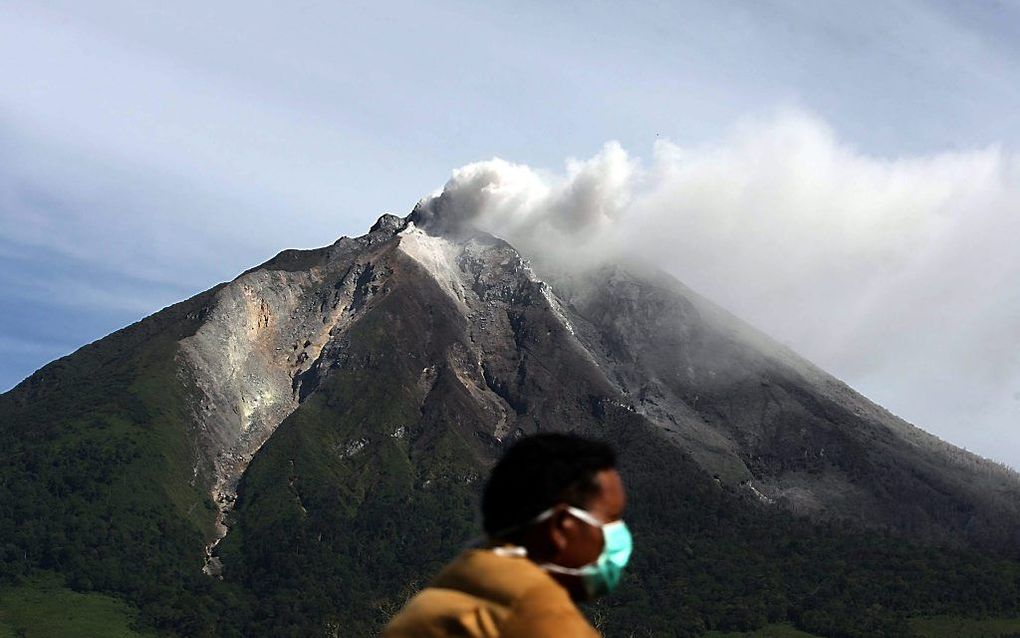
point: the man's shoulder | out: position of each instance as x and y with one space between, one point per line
482 593
547 610
438 611
494 576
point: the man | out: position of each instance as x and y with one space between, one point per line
552 512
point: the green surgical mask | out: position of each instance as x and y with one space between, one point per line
603 575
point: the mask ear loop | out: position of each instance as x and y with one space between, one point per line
585 570
585 516
510 550
560 569
580 514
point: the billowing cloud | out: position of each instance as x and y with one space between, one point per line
897 274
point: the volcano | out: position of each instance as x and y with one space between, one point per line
296 451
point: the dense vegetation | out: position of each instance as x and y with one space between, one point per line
95 475
365 491
706 562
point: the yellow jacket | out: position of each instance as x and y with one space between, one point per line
482 594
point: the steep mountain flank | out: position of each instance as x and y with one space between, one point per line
313 435
751 411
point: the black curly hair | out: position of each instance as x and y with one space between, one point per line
538 472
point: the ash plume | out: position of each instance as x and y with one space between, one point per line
897 273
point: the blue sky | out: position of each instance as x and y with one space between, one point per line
151 150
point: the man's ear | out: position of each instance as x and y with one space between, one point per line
561 528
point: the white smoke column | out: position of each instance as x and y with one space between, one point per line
900 275
569 216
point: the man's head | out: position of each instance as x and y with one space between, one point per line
554 475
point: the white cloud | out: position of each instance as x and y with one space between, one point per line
897 274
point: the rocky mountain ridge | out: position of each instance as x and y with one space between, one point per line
714 387
314 434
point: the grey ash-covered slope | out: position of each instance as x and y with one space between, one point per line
752 412
498 352
501 349
497 359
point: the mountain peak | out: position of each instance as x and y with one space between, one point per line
389 223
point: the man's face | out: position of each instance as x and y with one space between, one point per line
570 542
581 542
